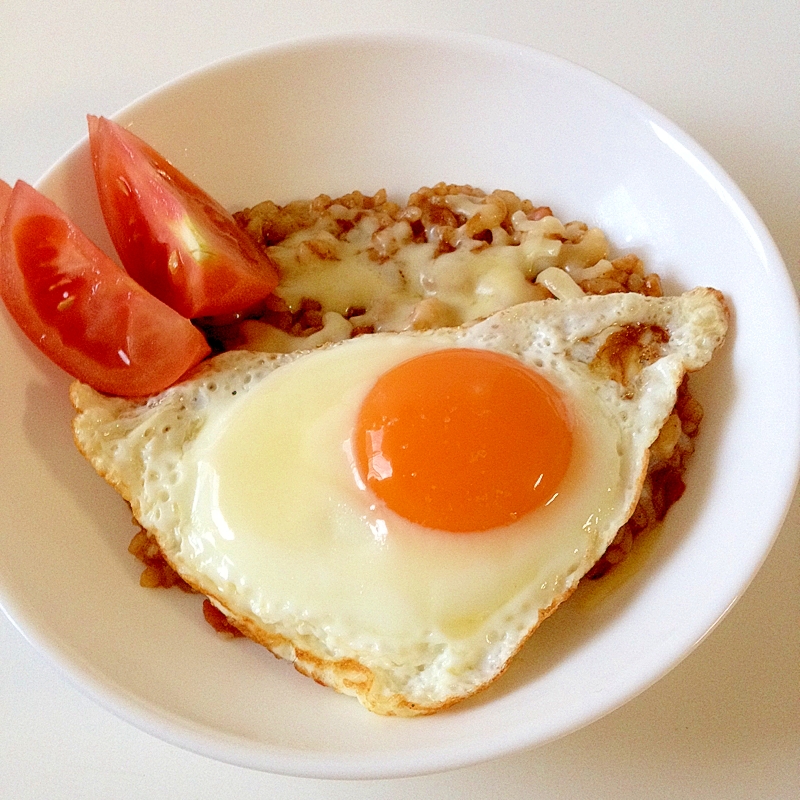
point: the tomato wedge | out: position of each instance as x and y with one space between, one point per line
171 236
5 196
80 309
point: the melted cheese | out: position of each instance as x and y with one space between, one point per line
395 283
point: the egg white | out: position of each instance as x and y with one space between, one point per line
242 473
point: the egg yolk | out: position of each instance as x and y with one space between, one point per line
462 440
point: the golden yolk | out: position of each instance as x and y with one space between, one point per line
462 440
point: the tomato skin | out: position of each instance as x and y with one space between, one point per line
81 310
172 237
5 196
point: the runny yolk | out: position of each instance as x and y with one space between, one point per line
462 440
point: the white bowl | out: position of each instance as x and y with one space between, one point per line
365 112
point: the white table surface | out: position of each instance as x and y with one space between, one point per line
726 722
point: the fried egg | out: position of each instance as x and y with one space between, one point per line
396 513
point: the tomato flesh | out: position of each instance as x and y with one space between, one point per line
171 236
84 312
